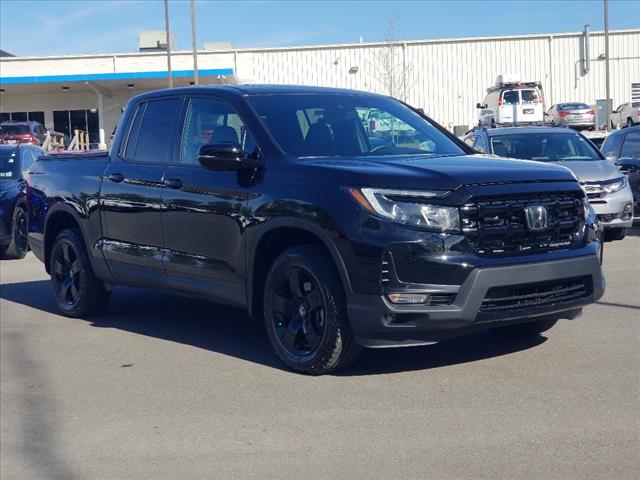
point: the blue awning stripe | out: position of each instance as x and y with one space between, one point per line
113 76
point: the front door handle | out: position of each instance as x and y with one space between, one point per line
116 177
174 183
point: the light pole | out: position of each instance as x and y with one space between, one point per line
606 61
193 42
168 40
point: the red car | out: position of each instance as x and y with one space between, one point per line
15 133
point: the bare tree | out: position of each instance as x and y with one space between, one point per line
393 72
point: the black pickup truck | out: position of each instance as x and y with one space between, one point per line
333 231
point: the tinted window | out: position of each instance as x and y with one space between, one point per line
544 147
574 106
611 146
210 120
307 125
15 129
157 131
529 96
9 164
128 144
510 97
631 146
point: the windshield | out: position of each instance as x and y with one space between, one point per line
310 125
544 147
9 165
15 129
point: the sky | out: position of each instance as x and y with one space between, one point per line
55 27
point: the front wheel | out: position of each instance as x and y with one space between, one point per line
305 312
629 122
19 245
78 292
525 329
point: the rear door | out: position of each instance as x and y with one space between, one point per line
529 108
205 210
507 106
131 195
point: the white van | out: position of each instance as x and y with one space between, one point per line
512 102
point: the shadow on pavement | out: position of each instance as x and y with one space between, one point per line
230 331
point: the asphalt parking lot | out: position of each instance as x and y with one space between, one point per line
167 387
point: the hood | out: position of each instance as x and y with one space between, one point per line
593 170
442 173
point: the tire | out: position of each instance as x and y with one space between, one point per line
525 329
305 312
19 245
77 291
614 234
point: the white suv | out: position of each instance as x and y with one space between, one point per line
512 103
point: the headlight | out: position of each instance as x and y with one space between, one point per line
614 185
408 207
588 209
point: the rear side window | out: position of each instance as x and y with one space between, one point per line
631 146
157 131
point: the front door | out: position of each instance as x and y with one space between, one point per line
131 197
206 211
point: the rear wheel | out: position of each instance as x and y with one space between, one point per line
78 292
525 329
19 245
305 312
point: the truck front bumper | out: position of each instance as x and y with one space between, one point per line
489 297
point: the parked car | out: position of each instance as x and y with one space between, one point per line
15 163
627 114
575 115
13 133
512 103
623 148
333 244
607 189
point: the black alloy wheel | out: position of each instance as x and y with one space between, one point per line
305 312
19 245
78 292
298 311
67 274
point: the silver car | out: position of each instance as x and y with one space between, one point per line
606 187
575 115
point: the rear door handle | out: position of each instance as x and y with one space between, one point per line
116 177
175 183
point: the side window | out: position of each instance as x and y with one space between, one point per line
157 131
469 140
210 120
128 144
480 145
611 146
631 145
28 160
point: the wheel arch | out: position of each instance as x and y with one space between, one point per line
275 237
60 217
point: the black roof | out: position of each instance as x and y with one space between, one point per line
244 90
622 131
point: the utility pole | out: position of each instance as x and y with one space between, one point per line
168 39
194 42
606 61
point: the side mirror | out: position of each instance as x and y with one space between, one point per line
479 105
224 156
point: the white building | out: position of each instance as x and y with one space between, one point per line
445 77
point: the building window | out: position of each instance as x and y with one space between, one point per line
66 121
22 117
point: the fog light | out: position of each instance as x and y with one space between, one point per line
627 211
407 298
